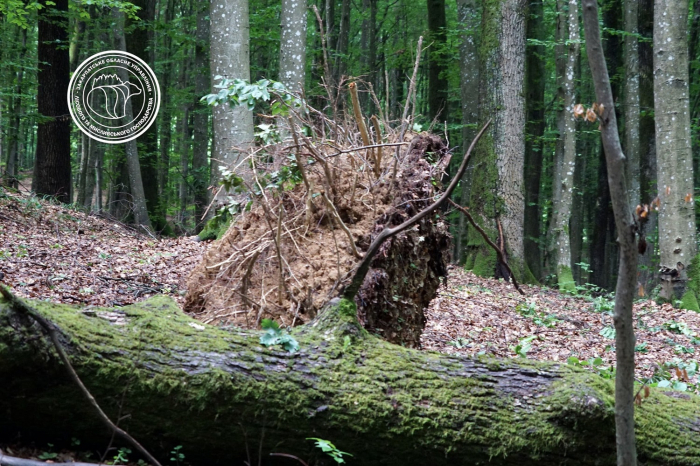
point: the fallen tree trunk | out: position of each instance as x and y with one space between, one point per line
214 391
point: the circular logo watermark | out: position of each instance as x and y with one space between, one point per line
113 97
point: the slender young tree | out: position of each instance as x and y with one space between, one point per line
535 88
437 84
560 246
140 41
52 167
133 164
200 142
627 229
631 103
230 58
673 146
343 42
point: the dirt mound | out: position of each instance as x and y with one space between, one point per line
291 252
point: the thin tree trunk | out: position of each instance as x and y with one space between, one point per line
626 228
469 20
165 116
52 167
138 196
202 84
631 104
343 41
437 83
566 159
534 147
649 261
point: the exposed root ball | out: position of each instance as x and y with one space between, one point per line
242 280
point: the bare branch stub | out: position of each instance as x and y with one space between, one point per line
499 252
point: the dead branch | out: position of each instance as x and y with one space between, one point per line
499 252
387 233
336 216
372 146
411 89
378 153
19 305
362 126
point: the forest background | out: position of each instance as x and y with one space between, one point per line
538 181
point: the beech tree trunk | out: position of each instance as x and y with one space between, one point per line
563 187
293 44
133 164
673 154
437 83
229 57
218 392
631 104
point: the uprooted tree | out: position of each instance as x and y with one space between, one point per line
221 392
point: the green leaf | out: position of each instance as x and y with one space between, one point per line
269 324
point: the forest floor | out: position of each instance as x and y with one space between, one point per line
48 251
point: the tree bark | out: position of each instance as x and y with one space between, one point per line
673 149
343 44
214 391
468 18
52 168
437 84
497 195
627 229
631 104
649 261
293 45
133 164
229 57
567 58
535 87
140 42
200 142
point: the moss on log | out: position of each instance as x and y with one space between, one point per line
183 383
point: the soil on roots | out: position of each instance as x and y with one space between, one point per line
289 254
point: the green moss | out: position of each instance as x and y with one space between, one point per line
216 227
529 278
565 279
689 301
690 297
484 262
362 395
347 308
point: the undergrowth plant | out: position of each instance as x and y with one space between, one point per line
274 335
